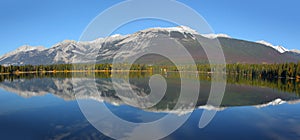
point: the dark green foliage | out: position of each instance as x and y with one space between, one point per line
267 71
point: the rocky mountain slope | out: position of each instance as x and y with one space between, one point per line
105 49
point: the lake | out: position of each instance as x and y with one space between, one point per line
45 106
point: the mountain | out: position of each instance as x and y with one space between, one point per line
105 49
23 50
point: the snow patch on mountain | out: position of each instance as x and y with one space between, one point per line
29 48
280 49
295 51
181 29
116 35
213 36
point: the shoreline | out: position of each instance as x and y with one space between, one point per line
120 71
71 71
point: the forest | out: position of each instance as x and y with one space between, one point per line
269 71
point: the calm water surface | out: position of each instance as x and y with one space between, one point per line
45 107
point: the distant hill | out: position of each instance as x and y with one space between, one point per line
105 49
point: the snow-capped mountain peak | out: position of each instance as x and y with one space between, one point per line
280 49
106 48
116 35
26 48
295 51
182 29
22 49
213 36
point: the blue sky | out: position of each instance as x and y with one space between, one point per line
47 22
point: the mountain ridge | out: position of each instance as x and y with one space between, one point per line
106 48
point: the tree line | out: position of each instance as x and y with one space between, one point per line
286 70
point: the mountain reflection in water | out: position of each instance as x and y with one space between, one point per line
44 106
239 92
